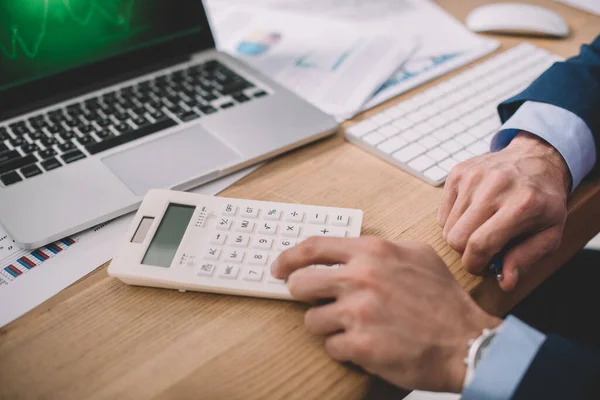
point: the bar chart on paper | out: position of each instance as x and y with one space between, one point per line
15 262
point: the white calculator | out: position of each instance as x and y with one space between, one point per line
188 241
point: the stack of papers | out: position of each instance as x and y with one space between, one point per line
345 56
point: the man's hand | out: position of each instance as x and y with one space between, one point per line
398 312
517 195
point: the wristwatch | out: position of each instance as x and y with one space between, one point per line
477 349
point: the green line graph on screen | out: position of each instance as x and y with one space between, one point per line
28 44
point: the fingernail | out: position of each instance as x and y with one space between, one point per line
275 268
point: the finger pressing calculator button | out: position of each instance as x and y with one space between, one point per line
272 279
212 253
258 258
272 214
229 271
229 209
245 225
339 220
284 244
264 243
207 269
253 274
235 256
290 230
250 212
240 240
317 217
267 228
294 216
224 224
324 231
218 238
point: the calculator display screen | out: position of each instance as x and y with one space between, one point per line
164 245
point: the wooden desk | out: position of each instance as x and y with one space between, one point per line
103 339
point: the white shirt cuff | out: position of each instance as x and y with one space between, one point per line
562 129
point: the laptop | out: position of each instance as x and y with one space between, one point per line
102 101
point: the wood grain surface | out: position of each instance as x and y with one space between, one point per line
102 339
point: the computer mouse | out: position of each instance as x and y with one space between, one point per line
517 18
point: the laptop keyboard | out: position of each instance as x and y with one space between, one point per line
64 135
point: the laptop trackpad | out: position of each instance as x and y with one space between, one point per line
170 161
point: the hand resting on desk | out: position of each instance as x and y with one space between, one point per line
517 194
397 310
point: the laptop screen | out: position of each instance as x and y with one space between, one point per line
56 46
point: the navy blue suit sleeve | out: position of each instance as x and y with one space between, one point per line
573 85
561 370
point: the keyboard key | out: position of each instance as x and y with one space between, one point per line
429 142
188 116
239 240
10 178
12 160
465 139
435 173
229 209
206 269
388 131
361 128
262 242
224 224
339 220
463 155
50 164
253 274
317 218
258 258
29 148
30 171
47 153
212 253
3 147
273 214
448 164
250 212
72 156
64 147
451 146
267 228
294 216
86 140
218 238
392 145
130 136
438 154
272 279
229 271
290 230
421 163
374 138
409 152
324 231
478 148
245 225
236 256
284 244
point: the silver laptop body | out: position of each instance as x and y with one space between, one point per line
111 179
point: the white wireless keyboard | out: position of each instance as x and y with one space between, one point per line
203 243
454 121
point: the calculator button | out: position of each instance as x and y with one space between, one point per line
212 253
294 216
234 256
239 240
267 228
272 214
224 224
207 269
229 209
229 271
317 217
264 243
250 212
258 258
253 274
245 225
218 238
324 231
284 244
339 220
290 230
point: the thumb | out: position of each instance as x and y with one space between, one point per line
519 258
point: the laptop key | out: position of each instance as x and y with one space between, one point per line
188 116
50 164
15 161
47 153
86 140
29 148
72 156
30 171
10 178
130 136
67 135
64 147
16 142
3 148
